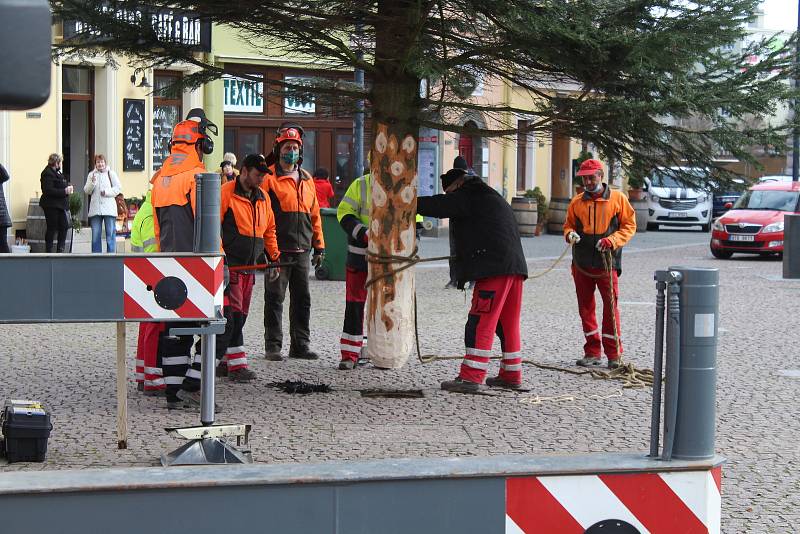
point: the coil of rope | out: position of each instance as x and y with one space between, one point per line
631 376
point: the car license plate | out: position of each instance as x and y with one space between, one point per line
677 215
743 238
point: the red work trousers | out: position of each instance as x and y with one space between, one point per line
353 330
148 368
496 303
584 288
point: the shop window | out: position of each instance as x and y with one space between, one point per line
344 158
167 113
310 151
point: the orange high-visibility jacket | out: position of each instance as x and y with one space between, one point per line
609 215
248 225
296 210
173 199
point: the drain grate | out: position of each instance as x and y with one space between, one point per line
299 387
393 393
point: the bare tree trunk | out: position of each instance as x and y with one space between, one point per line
392 232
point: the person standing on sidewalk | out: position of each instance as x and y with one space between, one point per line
173 198
102 186
54 201
299 230
5 218
248 234
487 249
323 186
599 223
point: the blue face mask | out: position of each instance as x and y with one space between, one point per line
290 158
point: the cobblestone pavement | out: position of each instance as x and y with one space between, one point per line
71 369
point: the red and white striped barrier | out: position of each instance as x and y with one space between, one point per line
680 501
166 288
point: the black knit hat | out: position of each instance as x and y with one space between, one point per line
321 172
460 163
451 176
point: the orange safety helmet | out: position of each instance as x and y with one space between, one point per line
289 134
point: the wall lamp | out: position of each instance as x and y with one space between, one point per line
143 83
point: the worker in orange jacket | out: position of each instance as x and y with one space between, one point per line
248 238
299 230
173 199
599 222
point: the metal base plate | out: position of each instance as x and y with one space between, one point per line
209 451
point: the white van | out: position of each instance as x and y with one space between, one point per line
671 203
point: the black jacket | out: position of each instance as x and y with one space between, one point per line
5 219
54 189
485 233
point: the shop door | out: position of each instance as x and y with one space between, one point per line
77 123
465 149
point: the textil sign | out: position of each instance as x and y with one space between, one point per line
243 96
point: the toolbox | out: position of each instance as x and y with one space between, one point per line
26 428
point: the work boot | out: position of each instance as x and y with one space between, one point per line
614 363
450 285
241 375
346 365
459 385
273 356
497 382
189 398
589 361
154 393
222 370
304 354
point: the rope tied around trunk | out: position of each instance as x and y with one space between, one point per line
406 261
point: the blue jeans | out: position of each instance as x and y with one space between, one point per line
97 222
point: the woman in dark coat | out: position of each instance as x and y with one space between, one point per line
5 219
55 203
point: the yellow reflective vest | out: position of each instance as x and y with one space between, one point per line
143 233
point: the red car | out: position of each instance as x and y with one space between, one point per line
754 225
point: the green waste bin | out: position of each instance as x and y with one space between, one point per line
333 268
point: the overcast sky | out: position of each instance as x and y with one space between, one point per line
780 14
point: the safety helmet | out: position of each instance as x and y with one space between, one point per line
289 134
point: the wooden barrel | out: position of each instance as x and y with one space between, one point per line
36 226
526 215
556 215
640 207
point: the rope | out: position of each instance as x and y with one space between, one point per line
631 376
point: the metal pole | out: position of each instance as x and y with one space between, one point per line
658 357
673 363
207 239
796 131
695 422
358 118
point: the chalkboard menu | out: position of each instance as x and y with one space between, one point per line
133 132
165 117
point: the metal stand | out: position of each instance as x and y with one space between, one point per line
207 443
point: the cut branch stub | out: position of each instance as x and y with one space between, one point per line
390 320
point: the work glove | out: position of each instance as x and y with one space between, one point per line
272 273
226 276
363 236
604 245
318 257
573 237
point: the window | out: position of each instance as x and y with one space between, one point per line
167 113
76 80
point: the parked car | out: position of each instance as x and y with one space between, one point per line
672 203
775 178
755 223
730 195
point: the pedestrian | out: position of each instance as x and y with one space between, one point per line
299 232
173 199
248 235
149 374
56 190
231 157
102 186
5 218
599 222
226 173
488 250
323 187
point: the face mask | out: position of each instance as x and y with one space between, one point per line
290 158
